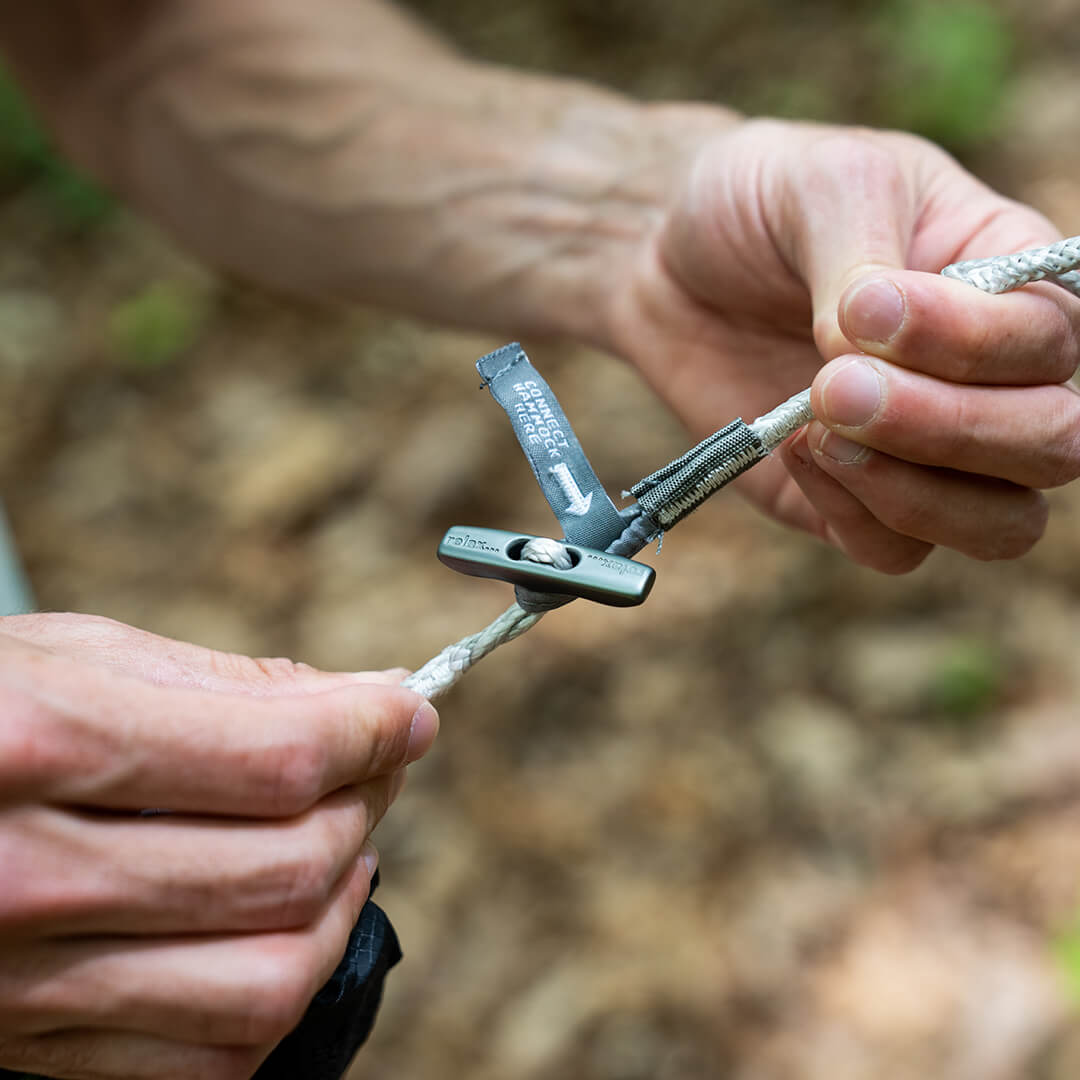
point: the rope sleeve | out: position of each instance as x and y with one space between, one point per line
666 496
674 491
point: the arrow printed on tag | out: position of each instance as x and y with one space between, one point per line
579 503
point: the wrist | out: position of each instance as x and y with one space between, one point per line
616 170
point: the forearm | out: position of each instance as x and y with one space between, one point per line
336 148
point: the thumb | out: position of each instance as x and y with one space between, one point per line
851 213
126 650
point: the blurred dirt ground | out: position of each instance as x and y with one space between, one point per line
789 821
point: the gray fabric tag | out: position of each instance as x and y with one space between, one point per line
586 514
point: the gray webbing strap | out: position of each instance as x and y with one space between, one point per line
668 494
587 516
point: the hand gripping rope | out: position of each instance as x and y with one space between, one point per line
594 560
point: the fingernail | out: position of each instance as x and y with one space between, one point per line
852 395
838 448
874 312
370 857
425 726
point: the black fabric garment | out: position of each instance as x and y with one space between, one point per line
340 1017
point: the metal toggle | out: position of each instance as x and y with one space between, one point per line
593 575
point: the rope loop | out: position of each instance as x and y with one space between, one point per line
542 549
700 476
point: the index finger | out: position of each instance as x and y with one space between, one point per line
953 330
79 735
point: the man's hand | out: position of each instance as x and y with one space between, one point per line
334 147
188 944
942 410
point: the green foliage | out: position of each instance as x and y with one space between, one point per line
968 679
27 156
1066 947
154 327
77 202
946 67
23 145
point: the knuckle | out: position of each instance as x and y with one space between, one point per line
379 798
1019 536
967 365
303 890
1062 461
279 669
888 553
883 549
901 558
996 346
390 720
257 670
909 517
963 429
226 1064
28 894
234 667
284 988
294 773
1067 354
35 747
866 162
346 832
382 722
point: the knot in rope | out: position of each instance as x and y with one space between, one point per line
541 549
667 495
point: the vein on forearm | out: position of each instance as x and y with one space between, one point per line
304 154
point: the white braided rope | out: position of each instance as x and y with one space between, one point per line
1001 273
776 425
442 671
997 274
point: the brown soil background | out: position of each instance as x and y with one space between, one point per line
748 831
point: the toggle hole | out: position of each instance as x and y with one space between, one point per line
515 548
